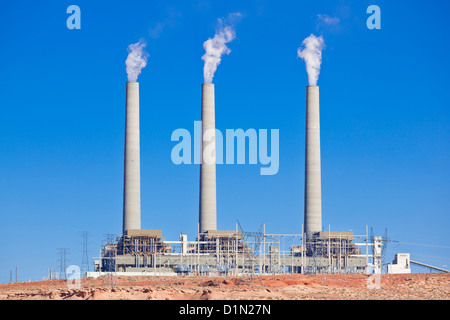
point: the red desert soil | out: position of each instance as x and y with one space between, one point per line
276 287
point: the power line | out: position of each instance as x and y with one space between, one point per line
420 244
440 258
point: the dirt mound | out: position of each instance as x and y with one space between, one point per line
268 287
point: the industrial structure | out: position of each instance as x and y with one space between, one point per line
145 252
132 166
208 207
313 188
233 252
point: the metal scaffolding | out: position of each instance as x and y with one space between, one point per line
238 252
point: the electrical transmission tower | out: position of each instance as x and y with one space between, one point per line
109 280
62 262
371 240
386 240
85 258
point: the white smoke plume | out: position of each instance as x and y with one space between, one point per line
312 54
216 47
136 60
326 19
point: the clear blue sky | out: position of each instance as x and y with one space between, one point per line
385 121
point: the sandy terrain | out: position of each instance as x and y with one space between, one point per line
428 286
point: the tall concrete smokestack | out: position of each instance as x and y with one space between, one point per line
313 192
207 212
132 167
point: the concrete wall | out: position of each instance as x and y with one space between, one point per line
129 274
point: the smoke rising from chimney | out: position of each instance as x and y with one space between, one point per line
216 47
312 54
136 60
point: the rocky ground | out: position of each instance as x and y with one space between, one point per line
429 286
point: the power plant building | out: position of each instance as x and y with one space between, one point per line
232 252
